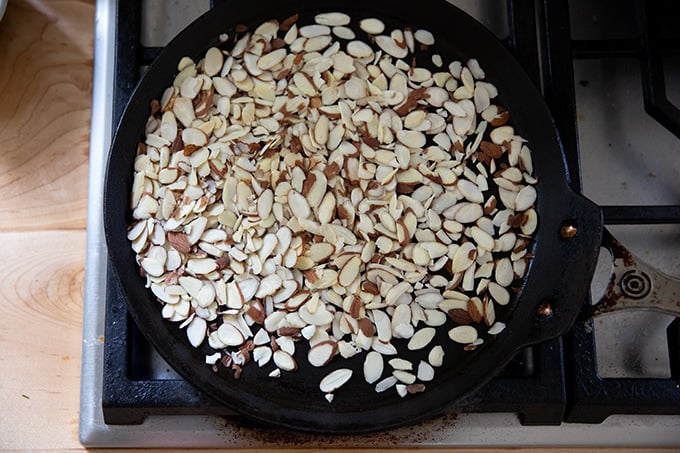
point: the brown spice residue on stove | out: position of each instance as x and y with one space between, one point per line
618 251
608 301
427 431
268 435
612 296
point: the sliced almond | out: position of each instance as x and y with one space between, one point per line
425 371
230 335
489 312
464 257
193 136
322 353
262 355
335 379
359 49
400 364
499 293
298 205
213 61
284 360
196 331
385 384
483 239
312 31
271 59
424 37
201 266
404 376
268 286
343 32
468 213
525 198
436 356
421 338
412 139
349 271
497 328
463 334
332 19
390 46
502 134
372 25
503 273
269 28
470 191
373 367
530 223
261 338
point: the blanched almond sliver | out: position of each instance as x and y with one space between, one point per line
332 19
421 338
335 379
372 25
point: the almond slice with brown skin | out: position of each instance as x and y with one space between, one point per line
230 335
196 331
284 360
322 353
464 257
390 46
350 271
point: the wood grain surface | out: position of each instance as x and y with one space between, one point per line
45 81
45 87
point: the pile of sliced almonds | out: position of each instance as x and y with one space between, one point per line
310 186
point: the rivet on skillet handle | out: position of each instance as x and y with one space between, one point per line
635 284
568 229
578 236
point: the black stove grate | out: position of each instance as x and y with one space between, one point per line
534 385
591 398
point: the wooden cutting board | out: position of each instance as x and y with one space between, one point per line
45 88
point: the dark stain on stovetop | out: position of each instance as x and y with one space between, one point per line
238 429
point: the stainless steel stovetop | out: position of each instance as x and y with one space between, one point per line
626 157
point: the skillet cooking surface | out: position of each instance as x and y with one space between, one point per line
560 272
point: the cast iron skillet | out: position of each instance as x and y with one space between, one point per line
559 274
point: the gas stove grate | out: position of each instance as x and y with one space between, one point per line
545 384
591 398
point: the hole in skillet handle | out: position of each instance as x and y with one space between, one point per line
576 246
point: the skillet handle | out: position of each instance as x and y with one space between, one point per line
635 284
579 234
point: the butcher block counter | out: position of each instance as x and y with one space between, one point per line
45 95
